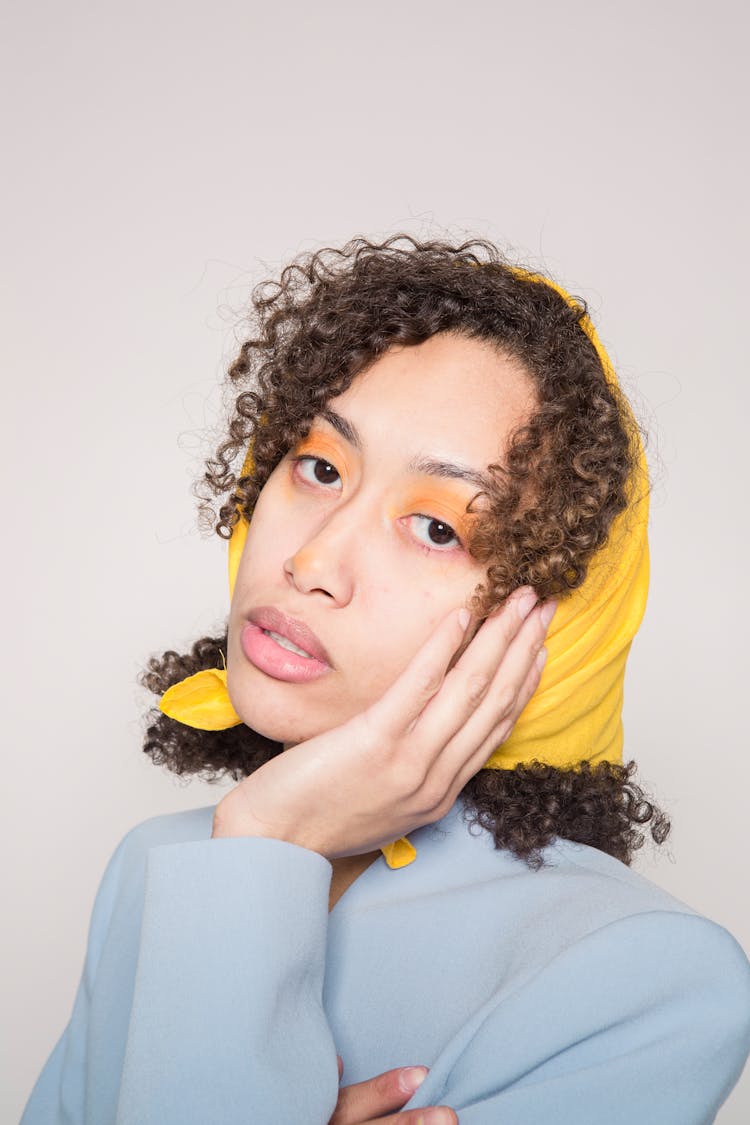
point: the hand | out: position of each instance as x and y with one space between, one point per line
402 762
362 1103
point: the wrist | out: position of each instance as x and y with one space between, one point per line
230 822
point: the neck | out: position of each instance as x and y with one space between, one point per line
346 869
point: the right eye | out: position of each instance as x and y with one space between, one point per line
315 470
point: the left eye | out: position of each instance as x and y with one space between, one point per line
440 534
316 475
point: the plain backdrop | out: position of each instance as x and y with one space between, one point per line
159 159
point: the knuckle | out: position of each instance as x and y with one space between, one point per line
443 807
509 625
364 1100
373 739
432 797
503 733
506 698
410 775
477 686
429 681
385 1085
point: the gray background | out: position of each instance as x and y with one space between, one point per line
160 158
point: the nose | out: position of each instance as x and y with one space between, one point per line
326 562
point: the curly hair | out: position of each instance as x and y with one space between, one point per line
563 478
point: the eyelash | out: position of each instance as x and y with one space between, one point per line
433 519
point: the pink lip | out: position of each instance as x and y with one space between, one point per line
267 617
275 660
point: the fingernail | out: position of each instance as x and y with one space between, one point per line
541 658
438 1116
548 612
412 1077
464 617
525 603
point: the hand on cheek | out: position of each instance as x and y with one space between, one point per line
401 762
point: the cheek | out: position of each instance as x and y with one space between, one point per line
402 621
399 622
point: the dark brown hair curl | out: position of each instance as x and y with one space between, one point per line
556 490
564 475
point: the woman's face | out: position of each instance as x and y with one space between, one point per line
358 533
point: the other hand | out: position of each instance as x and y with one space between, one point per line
363 1103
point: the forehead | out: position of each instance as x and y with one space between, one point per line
447 396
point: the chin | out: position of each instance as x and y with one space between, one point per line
286 712
276 722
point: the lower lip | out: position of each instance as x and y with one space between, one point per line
271 658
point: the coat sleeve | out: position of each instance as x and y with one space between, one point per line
647 1020
226 1022
59 1094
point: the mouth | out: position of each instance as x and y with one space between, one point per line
286 643
289 631
283 647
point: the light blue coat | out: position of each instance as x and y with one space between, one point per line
217 988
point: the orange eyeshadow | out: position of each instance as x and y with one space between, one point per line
440 500
320 445
442 503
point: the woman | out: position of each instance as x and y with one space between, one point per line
423 866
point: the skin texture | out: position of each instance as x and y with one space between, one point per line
348 554
349 561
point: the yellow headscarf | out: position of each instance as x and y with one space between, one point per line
576 712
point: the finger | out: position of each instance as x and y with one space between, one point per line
363 1101
529 686
395 713
503 730
340 1065
427 1115
493 718
400 707
469 682
515 680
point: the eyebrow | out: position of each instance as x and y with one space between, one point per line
431 466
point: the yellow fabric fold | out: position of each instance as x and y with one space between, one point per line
201 701
400 853
576 712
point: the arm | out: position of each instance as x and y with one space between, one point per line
209 1006
59 1094
227 1021
646 1020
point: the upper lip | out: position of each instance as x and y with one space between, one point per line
268 617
